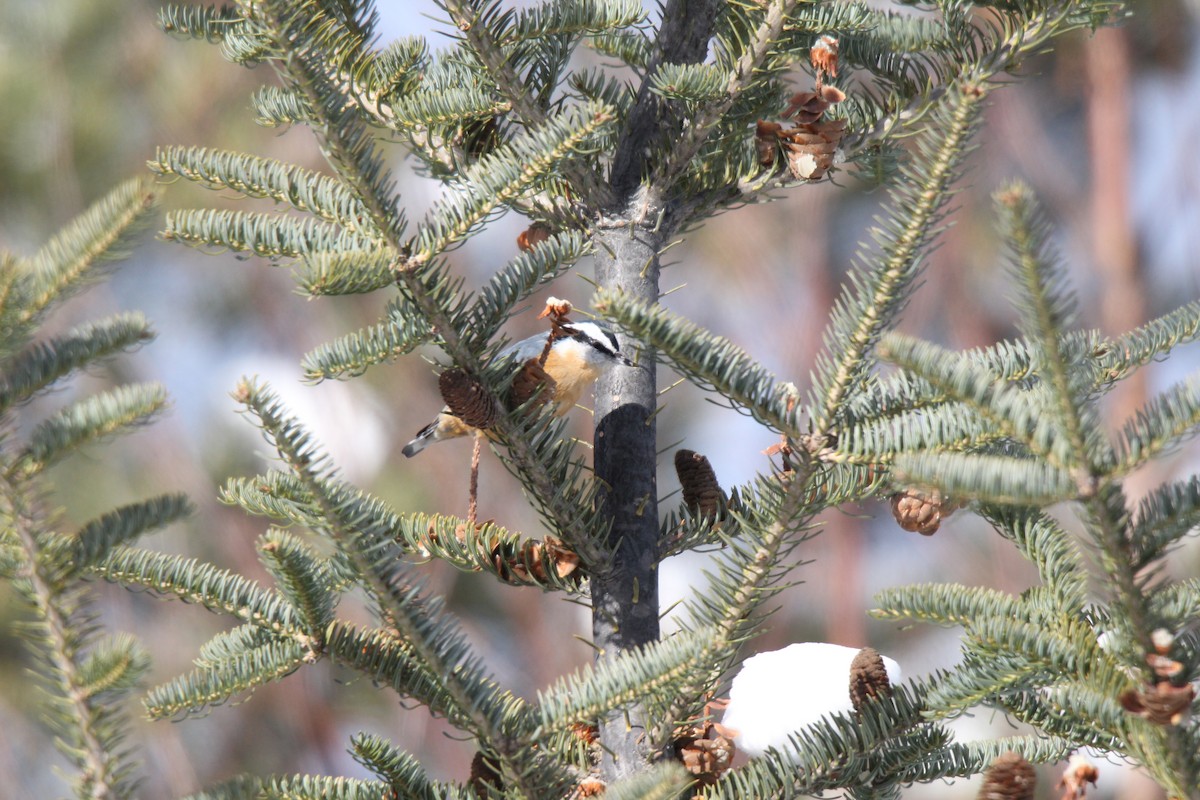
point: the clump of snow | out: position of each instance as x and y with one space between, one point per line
782 691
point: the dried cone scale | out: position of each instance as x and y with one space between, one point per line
919 511
868 678
704 750
701 492
467 398
1010 777
532 381
483 775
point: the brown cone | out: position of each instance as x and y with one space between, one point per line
532 236
1162 704
918 511
1010 777
868 678
483 775
704 751
701 493
467 399
532 381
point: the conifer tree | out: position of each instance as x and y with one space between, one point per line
715 105
82 671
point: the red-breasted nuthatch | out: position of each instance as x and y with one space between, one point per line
582 351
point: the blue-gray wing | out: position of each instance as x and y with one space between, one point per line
526 348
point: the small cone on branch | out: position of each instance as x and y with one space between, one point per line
467 398
808 107
701 493
531 382
766 141
868 678
920 511
704 750
812 148
532 236
483 775
1010 777
1162 704
528 564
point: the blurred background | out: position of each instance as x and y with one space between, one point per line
1104 128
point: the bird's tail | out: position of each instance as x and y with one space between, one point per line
424 437
446 426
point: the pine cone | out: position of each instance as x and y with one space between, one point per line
1010 777
532 236
528 564
1162 704
766 141
467 398
531 382
811 147
868 678
701 493
919 511
809 107
483 775
704 751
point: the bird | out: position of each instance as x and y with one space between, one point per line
579 354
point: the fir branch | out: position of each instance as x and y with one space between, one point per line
1160 425
502 176
451 672
403 773
1154 340
636 675
210 23
662 781
947 426
253 176
242 787
740 79
97 538
401 332
483 43
303 787
946 604
278 108
863 313
438 107
89 420
518 279
42 364
709 361
991 479
303 578
1047 310
1163 517
964 759
69 259
1045 543
572 18
203 688
206 585
1012 411
268 235
323 274
295 30
88 730
751 573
